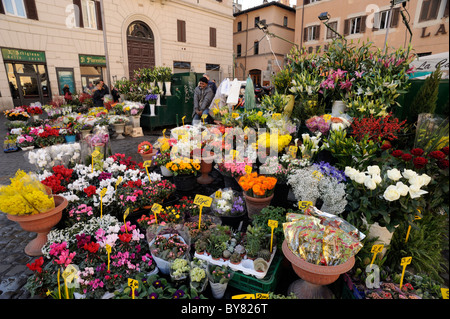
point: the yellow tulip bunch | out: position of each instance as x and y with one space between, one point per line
183 166
25 196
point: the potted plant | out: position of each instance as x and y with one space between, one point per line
219 276
258 191
119 122
254 240
197 275
27 202
146 150
230 207
185 171
152 99
235 258
161 160
166 248
25 142
166 76
179 270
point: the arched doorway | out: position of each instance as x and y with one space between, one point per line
255 75
141 47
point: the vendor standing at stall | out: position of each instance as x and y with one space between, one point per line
203 96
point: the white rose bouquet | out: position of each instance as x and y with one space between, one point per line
385 195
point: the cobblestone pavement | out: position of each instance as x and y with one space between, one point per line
13 260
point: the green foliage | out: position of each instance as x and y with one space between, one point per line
350 152
426 98
425 245
272 213
282 80
274 103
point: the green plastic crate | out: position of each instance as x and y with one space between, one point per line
251 284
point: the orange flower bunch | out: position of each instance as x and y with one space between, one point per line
257 185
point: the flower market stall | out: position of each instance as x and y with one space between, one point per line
319 191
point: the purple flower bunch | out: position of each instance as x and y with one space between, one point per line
318 123
327 169
152 97
104 175
238 206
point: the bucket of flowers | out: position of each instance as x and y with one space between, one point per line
258 191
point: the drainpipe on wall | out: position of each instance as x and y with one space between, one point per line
105 43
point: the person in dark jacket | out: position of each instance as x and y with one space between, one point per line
203 96
98 96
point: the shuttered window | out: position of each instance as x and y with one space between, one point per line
88 14
212 37
355 25
429 10
311 33
181 31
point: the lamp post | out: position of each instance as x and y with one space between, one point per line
264 28
324 17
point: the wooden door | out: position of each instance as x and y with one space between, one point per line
141 47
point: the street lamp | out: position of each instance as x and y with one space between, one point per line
262 25
324 17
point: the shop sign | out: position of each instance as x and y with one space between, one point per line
92 60
23 55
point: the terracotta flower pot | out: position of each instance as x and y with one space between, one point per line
314 278
255 205
206 165
148 156
40 224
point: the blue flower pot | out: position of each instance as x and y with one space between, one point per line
70 138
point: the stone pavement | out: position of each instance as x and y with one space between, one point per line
13 260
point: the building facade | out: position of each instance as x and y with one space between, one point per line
255 54
46 44
369 20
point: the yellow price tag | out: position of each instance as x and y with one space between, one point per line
234 153
293 151
119 180
102 193
409 228
156 208
243 296
444 292
234 115
202 200
304 204
219 194
204 116
405 261
147 164
125 215
183 119
327 117
164 132
261 296
375 250
108 250
69 274
95 153
248 169
272 224
133 284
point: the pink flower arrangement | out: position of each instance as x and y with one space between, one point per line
234 168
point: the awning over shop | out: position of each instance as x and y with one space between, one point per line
425 65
